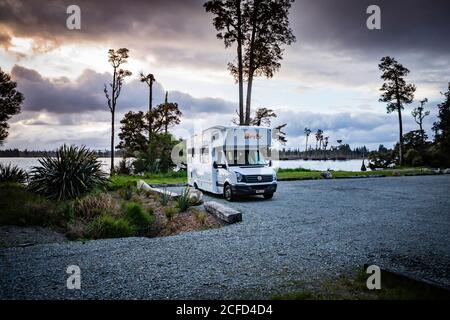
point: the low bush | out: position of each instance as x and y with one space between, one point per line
137 216
201 217
126 192
20 207
169 212
164 198
12 173
94 205
106 226
183 201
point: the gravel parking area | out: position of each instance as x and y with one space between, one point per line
310 230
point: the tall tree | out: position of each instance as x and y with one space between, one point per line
307 132
267 31
325 143
116 58
442 126
262 117
170 113
228 22
419 114
10 101
396 92
149 80
319 137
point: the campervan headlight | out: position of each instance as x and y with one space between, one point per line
239 177
274 176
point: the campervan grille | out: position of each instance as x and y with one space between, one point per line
254 178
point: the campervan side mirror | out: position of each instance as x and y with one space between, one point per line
270 163
215 165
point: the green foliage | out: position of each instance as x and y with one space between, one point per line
164 198
20 207
157 156
137 216
442 130
124 167
126 192
183 202
10 101
73 172
92 206
169 212
106 226
12 173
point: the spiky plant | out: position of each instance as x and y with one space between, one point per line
12 173
73 172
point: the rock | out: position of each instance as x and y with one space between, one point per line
326 175
196 196
223 212
144 186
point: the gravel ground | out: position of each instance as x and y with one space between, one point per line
310 230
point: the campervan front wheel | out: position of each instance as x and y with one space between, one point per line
268 196
228 193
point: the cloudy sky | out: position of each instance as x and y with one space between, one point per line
329 78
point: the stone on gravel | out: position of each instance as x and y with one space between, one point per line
223 212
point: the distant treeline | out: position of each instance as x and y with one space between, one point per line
16 153
341 152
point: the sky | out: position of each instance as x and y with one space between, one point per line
329 78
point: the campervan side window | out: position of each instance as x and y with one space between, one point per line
205 155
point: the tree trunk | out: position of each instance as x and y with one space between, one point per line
150 101
422 133
112 142
251 64
113 110
240 65
400 147
306 147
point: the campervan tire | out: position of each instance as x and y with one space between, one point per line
228 193
268 196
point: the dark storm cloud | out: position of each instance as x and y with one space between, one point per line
86 94
420 25
173 25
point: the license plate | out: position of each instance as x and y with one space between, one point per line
259 191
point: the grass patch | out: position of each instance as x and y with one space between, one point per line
354 287
305 174
121 181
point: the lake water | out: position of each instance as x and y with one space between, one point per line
346 165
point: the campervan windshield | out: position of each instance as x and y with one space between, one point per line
245 157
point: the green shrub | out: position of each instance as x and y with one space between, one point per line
106 226
164 198
183 201
126 192
93 206
20 207
201 217
12 173
73 172
137 216
169 212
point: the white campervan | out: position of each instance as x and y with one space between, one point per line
232 161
